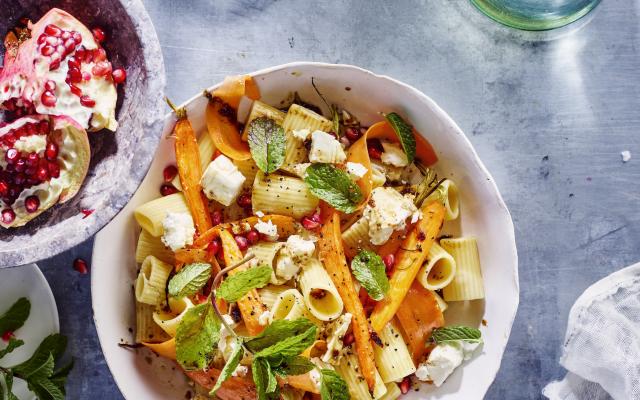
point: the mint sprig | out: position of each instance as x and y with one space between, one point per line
15 316
197 337
332 386
296 365
234 287
278 330
370 271
405 134
266 143
189 280
448 334
230 366
334 186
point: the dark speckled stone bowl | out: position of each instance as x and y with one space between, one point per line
119 161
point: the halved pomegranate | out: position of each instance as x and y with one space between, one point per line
43 161
56 67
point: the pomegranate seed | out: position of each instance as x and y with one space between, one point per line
69 45
98 34
253 236
42 38
119 75
389 261
32 159
4 188
7 336
216 218
73 63
167 189
55 62
12 155
87 101
52 41
316 217
405 385
50 86
310 224
74 75
213 248
348 339
102 68
86 212
242 242
54 170
86 76
8 216
42 173
43 126
352 134
99 55
20 165
47 50
80 265
51 151
31 204
52 30
169 172
65 35
75 90
374 152
48 99
244 200
77 37
80 54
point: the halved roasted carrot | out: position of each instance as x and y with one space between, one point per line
223 129
234 87
233 388
409 259
190 170
332 256
250 305
418 315
286 227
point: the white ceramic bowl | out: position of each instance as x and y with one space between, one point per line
483 214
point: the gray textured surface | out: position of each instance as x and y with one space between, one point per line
549 120
119 161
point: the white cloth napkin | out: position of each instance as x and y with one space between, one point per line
602 344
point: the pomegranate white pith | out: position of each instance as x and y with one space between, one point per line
60 70
43 161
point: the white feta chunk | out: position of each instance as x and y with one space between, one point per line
626 155
286 267
325 149
227 341
300 249
240 371
394 155
302 134
222 181
443 360
178 230
263 319
268 229
388 213
335 335
259 214
356 170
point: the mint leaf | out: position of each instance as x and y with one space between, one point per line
405 134
8 382
189 280
263 377
15 316
297 365
13 344
230 366
289 346
197 337
267 143
333 186
370 271
45 389
236 286
59 377
42 361
278 330
332 386
456 333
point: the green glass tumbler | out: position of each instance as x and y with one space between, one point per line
535 15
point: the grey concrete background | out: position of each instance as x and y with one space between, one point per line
549 118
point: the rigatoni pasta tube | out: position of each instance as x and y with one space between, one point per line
146 328
393 359
289 306
298 118
441 303
447 194
393 392
319 292
152 281
356 237
358 389
467 284
409 262
269 294
150 215
438 270
248 169
169 321
284 195
265 254
260 109
149 245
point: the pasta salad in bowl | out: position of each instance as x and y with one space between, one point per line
297 238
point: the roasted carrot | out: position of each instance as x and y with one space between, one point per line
190 170
418 315
233 388
286 227
250 305
223 129
332 256
234 87
409 258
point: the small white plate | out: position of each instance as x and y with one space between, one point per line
365 94
28 281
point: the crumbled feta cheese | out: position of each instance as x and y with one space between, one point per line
393 155
388 213
302 134
31 144
268 229
335 333
325 149
300 249
240 371
443 360
626 155
378 176
263 319
357 170
416 216
227 342
286 268
222 181
178 230
259 214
